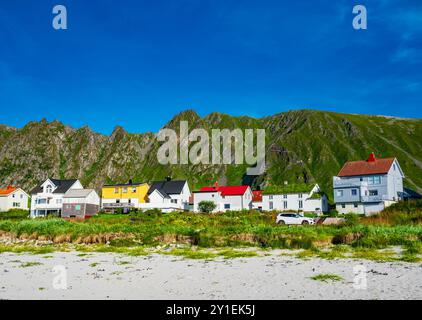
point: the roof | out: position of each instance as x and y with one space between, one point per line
167 187
123 185
289 188
7 191
366 167
226 190
62 186
78 193
257 196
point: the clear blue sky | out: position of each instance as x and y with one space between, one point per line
138 63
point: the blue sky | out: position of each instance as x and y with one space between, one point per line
137 63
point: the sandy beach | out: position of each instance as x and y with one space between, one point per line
114 276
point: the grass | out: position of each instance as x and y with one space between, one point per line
135 234
29 264
327 277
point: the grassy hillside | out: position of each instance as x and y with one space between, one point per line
302 146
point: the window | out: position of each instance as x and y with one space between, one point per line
125 190
49 189
13 195
354 192
271 205
116 190
343 205
134 190
227 206
173 200
374 180
300 196
117 200
360 179
373 192
285 204
16 204
78 207
271 197
21 196
129 201
284 196
300 204
394 167
355 205
59 201
339 193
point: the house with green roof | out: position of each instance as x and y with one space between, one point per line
294 197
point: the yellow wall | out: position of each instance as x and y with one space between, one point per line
140 193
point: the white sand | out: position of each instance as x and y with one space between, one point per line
169 277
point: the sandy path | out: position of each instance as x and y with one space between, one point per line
114 276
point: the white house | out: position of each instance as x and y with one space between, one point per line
225 197
294 197
80 203
47 198
168 195
368 186
13 198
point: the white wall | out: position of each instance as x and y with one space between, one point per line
236 202
92 198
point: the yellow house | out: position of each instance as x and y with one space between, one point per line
129 195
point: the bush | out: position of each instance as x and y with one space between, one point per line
207 206
14 214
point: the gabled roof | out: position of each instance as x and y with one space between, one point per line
7 191
227 190
62 186
78 193
366 167
167 187
162 193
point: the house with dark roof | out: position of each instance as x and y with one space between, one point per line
368 186
225 197
47 198
125 196
168 195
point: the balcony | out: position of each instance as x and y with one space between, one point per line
348 183
377 198
118 205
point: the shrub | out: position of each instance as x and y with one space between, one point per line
207 206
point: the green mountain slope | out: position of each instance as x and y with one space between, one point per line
301 146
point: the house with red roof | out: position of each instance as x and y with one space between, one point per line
368 186
13 198
225 197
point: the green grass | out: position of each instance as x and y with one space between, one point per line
327 277
30 264
136 233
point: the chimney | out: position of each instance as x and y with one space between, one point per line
168 178
130 181
9 187
371 158
216 185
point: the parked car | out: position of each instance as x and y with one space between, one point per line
293 218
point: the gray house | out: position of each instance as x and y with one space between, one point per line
80 203
368 186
